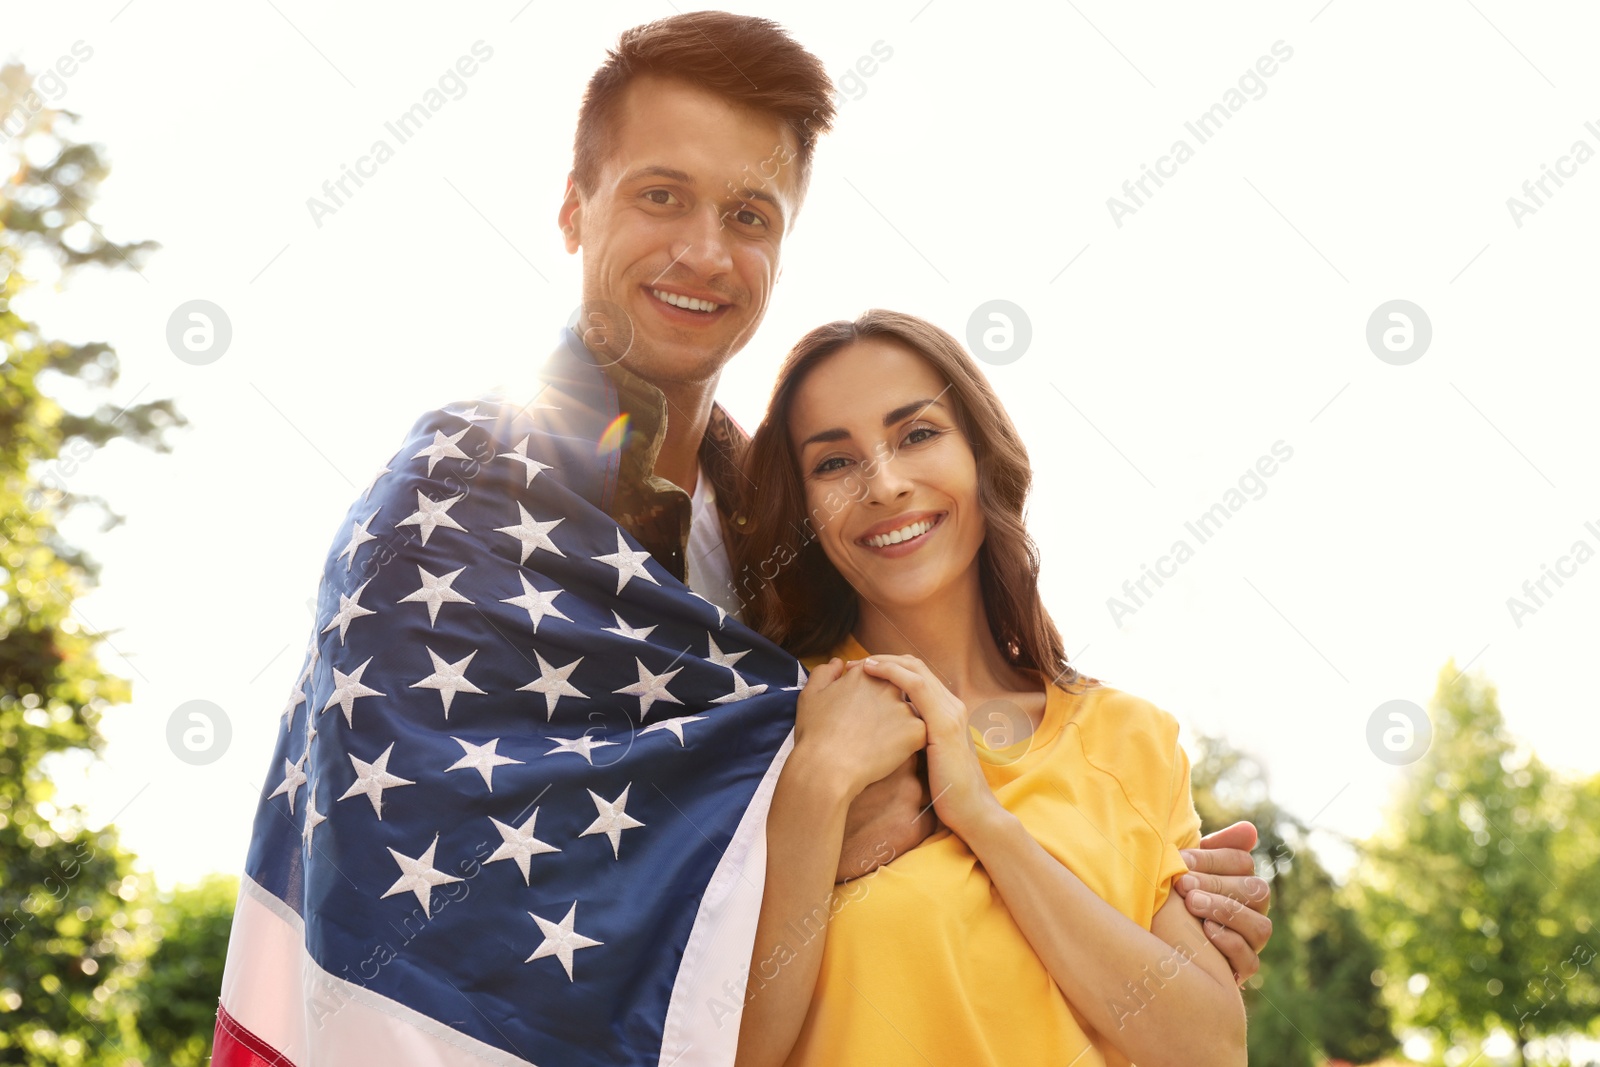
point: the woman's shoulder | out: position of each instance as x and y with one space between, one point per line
1124 734
849 648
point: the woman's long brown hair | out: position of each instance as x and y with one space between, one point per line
792 593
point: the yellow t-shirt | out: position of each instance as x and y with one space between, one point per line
923 963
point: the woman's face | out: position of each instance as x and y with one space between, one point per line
891 482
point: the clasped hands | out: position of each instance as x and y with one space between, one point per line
874 722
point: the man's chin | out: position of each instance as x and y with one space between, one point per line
668 360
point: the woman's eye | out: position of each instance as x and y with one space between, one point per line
927 433
829 465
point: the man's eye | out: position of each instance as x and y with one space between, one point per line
746 217
662 197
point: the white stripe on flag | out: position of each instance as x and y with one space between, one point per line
702 1027
274 989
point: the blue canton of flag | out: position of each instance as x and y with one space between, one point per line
516 813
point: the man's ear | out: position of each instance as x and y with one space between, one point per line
569 217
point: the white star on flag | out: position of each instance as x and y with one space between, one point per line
583 746
520 454
612 819
741 689
436 592
650 688
373 484
622 629
534 535
358 537
518 843
443 448
481 758
448 678
296 698
674 725
350 609
347 688
538 604
419 876
431 514
294 776
800 681
552 682
470 415
314 818
629 564
721 658
373 778
722 612
560 940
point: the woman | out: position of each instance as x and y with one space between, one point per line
1040 924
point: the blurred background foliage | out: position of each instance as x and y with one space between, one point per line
1469 916
96 967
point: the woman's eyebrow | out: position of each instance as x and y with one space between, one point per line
905 411
899 414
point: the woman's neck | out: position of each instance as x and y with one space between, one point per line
950 633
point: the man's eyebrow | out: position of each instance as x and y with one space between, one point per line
899 414
748 193
660 172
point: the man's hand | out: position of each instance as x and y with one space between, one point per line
890 816
1223 890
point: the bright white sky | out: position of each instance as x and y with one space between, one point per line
1168 354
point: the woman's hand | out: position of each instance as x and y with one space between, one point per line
961 794
854 727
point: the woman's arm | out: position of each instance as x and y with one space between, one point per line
850 730
1160 996
805 829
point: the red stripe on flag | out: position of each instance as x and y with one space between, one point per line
234 1046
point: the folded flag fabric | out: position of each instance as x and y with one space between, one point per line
516 812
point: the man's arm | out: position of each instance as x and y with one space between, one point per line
891 816
1222 890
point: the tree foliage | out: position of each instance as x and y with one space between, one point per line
1481 882
1314 996
70 927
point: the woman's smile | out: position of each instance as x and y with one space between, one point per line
902 536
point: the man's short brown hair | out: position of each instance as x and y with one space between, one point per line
751 62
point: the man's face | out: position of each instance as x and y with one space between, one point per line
689 209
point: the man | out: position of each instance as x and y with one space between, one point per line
605 891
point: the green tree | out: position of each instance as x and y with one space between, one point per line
70 938
1314 997
1481 929
178 996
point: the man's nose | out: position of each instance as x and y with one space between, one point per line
707 252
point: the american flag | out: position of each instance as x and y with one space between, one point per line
516 811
